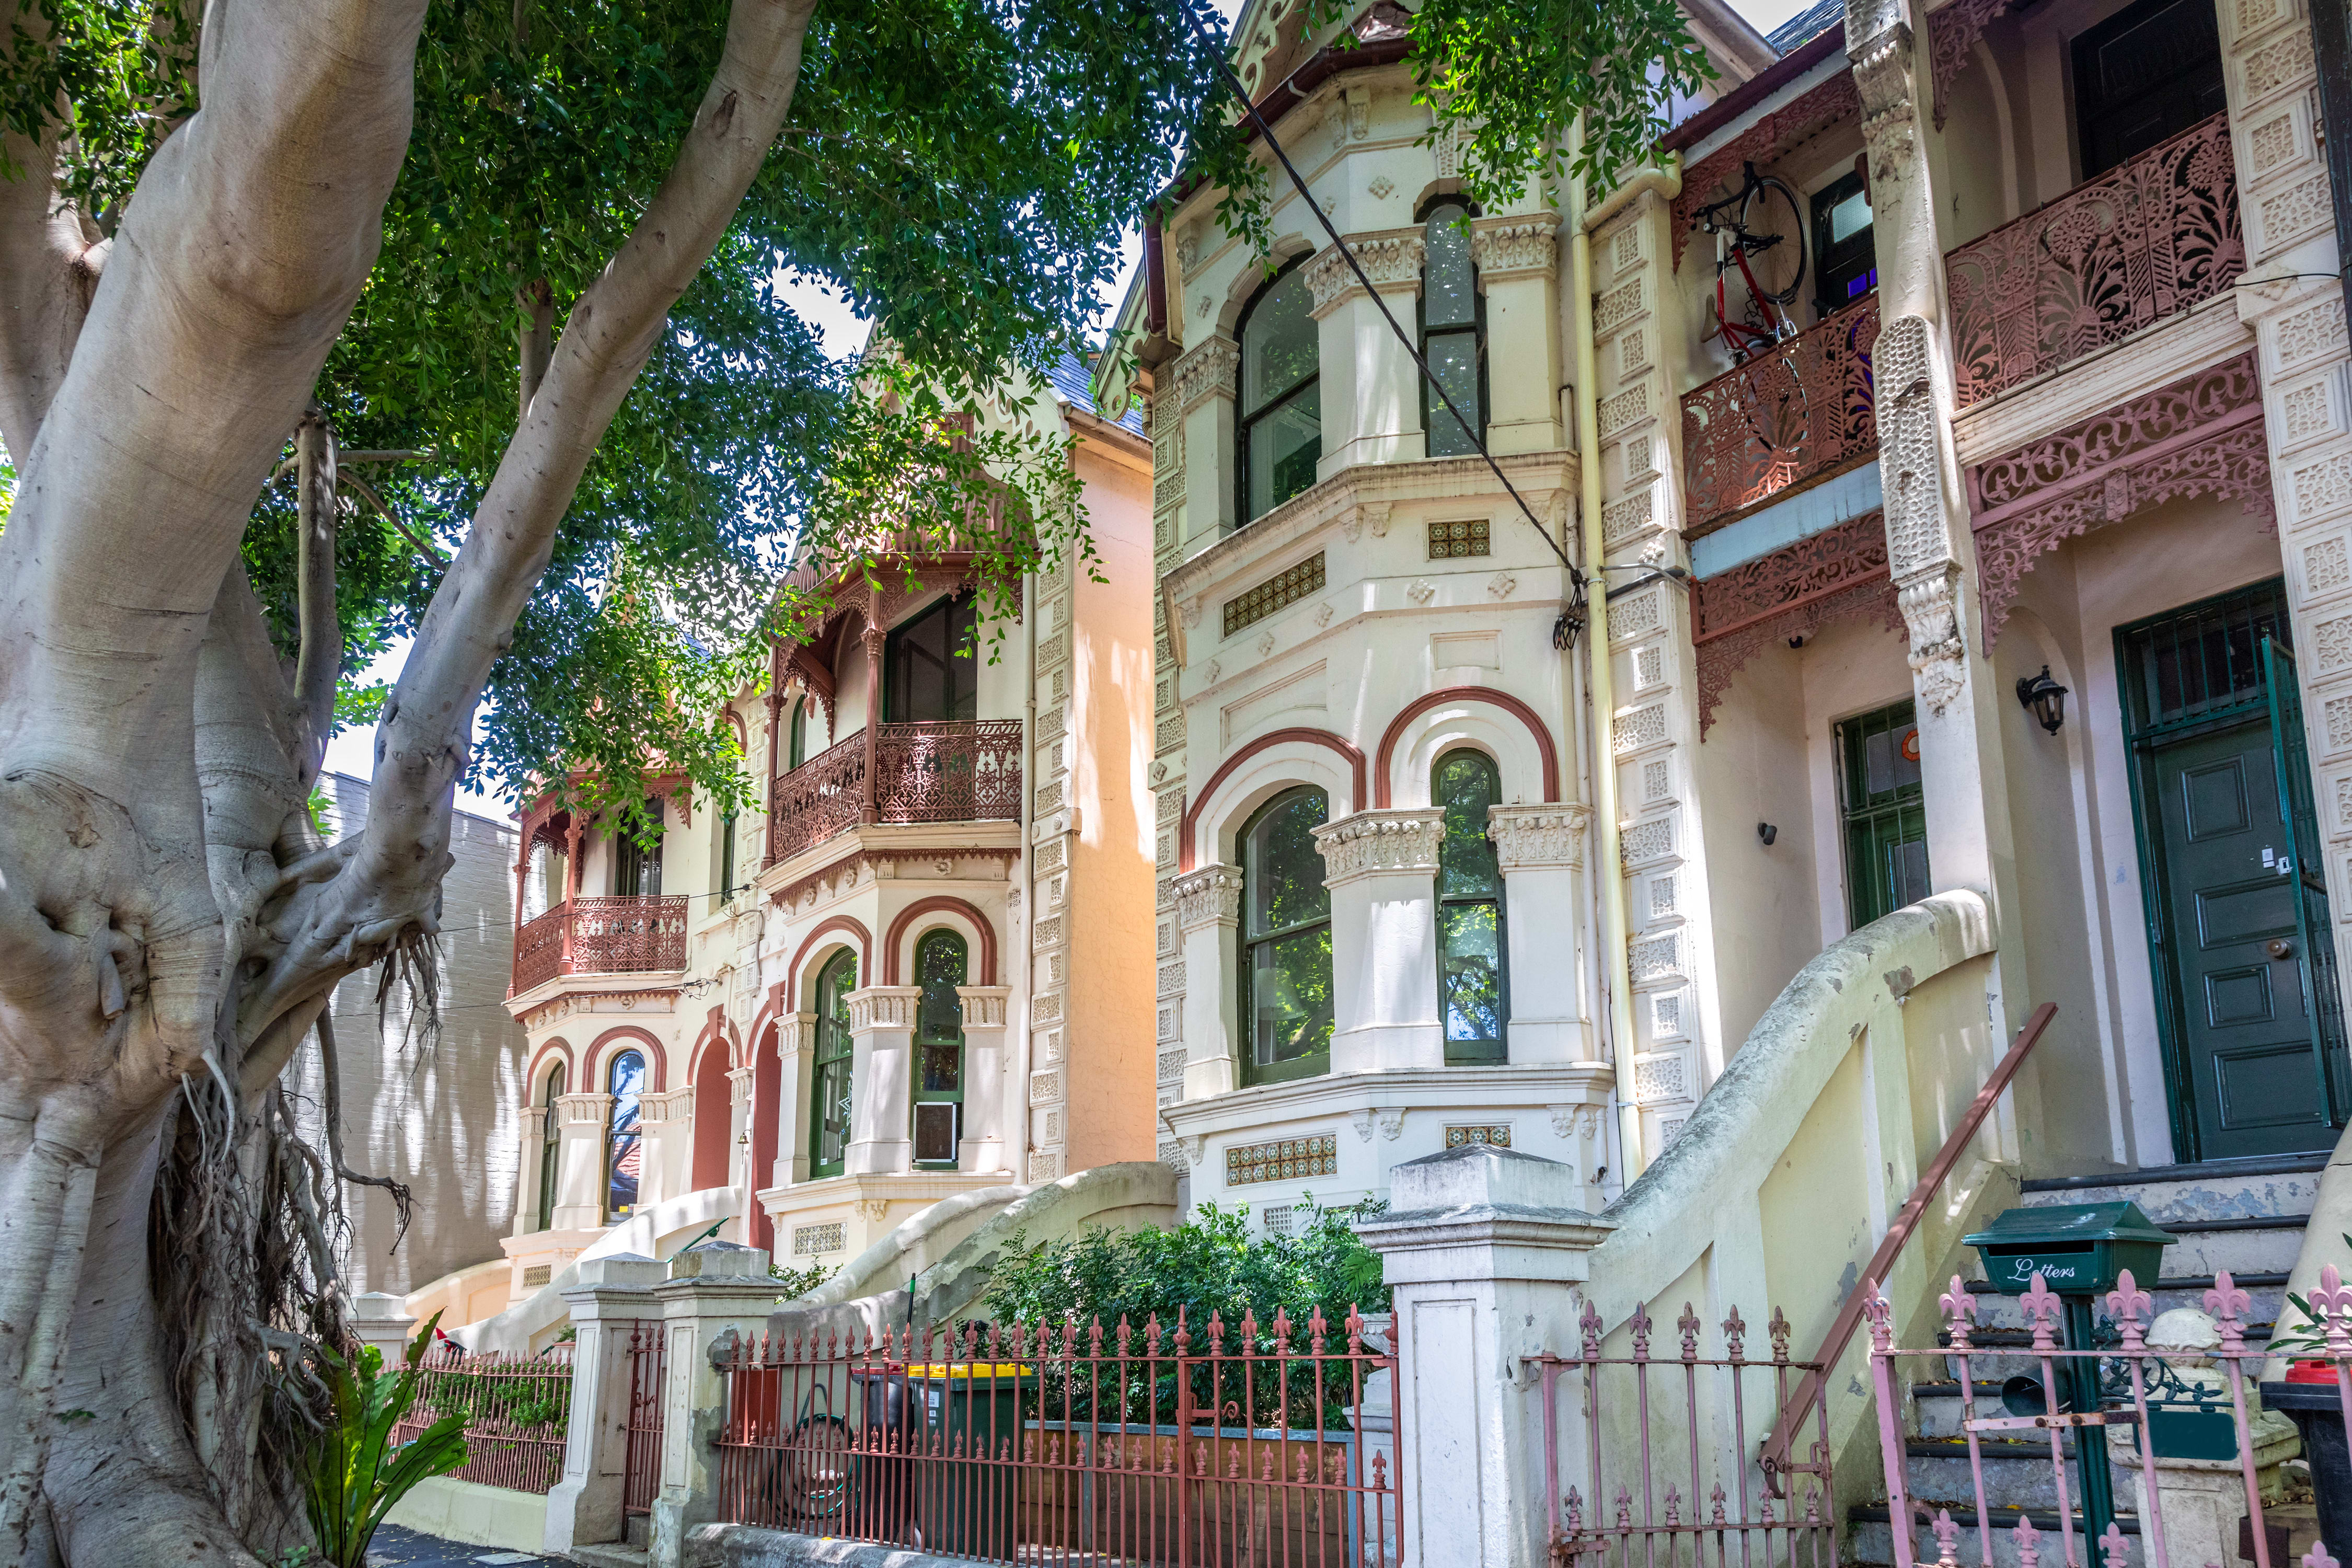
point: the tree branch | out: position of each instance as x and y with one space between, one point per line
611 332
321 660
50 261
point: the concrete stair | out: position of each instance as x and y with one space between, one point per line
2247 1216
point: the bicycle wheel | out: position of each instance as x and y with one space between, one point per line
1773 235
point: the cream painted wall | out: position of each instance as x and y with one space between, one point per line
1109 1034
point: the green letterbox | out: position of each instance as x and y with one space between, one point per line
2077 1248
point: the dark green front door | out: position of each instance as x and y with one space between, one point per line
2232 929
2248 998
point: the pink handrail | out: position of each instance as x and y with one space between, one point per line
1777 1443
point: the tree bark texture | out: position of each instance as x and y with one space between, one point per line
171 924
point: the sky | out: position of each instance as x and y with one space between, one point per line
843 332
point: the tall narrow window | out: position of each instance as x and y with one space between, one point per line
1885 813
550 1145
638 870
624 1080
1470 967
1280 413
940 968
1453 332
1845 244
1285 958
796 752
726 859
929 670
829 1085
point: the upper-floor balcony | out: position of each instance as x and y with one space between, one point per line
2128 249
959 770
602 936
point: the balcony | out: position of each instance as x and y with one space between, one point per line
2147 240
601 936
1804 411
943 771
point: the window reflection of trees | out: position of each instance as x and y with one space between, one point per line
623 1136
1471 998
829 1082
1286 959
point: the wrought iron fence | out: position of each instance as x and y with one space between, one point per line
961 771
539 949
2190 1416
1648 1457
2154 235
515 1411
641 1463
1051 1444
944 771
602 936
1807 408
823 796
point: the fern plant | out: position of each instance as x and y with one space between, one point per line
355 1473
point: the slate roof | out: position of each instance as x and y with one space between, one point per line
1806 26
1074 383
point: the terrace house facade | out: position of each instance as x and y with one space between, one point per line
2065 392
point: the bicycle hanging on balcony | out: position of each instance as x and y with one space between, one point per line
1758 231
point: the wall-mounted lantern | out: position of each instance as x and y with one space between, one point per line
2045 696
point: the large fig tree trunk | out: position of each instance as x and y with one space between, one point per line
170 924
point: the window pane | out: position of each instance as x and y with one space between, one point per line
625 1142
1278 344
832 1100
1283 447
1448 298
1283 869
829 1089
1454 360
1469 938
938 970
1466 786
1290 996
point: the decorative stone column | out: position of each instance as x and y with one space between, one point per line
1540 850
529 1140
717 1294
611 1300
580 1162
1204 380
1519 270
1382 869
1481 1247
1931 551
1208 911
984 1087
881 1076
666 1122
1371 393
796 1050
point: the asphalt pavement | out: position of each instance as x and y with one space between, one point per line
396 1548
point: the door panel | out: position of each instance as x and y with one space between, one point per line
2315 933
2233 937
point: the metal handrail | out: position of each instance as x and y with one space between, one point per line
1774 1457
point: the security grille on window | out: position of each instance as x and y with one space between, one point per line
1885 813
1453 332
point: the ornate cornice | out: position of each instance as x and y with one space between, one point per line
1390 258
983 1005
1527 837
1209 896
1514 246
883 1007
1206 370
2202 435
1378 842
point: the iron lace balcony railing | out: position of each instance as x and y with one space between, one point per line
966 769
602 936
1806 409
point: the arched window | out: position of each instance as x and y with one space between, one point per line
1453 332
625 1144
829 1086
940 968
796 752
1471 996
551 1144
1285 958
1279 415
